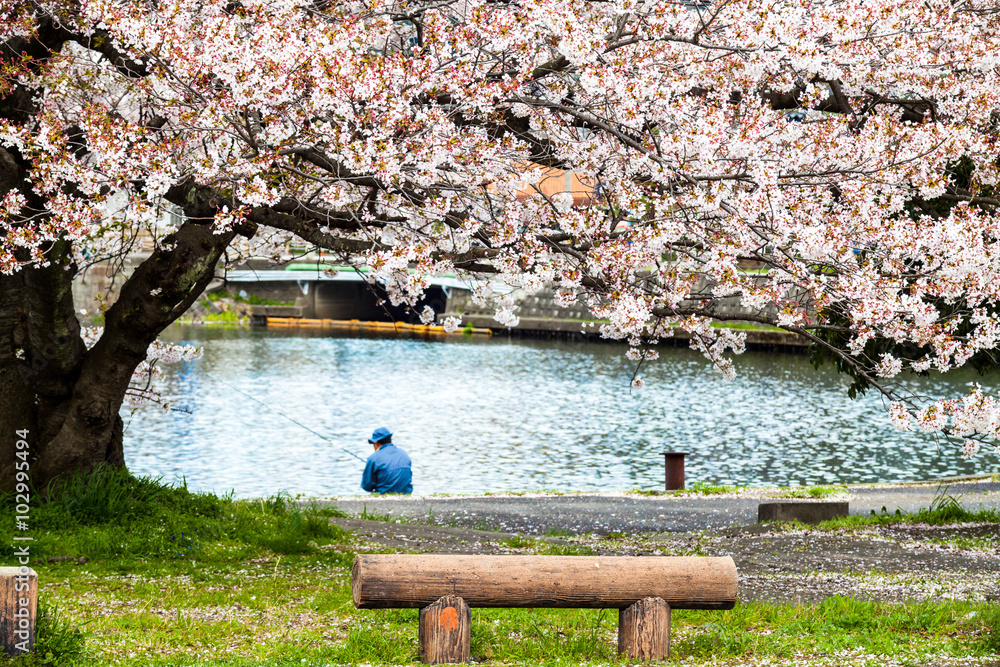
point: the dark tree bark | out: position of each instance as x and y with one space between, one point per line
67 397
90 431
41 353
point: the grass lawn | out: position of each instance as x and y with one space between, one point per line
177 578
703 489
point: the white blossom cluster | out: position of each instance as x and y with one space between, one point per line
974 414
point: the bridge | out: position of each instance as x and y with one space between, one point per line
345 295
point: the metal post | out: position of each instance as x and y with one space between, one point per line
673 465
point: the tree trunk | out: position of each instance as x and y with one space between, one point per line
65 397
41 354
156 294
68 398
18 610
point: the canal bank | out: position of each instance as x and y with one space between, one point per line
539 316
757 338
641 513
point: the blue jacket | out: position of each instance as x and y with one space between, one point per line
388 471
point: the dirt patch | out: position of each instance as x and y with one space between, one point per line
885 563
426 538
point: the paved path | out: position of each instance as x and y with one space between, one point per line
603 514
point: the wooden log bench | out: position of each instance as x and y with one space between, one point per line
18 609
444 587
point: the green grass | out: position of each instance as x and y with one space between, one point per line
944 510
813 491
549 549
154 553
702 488
744 326
913 631
115 515
178 578
615 535
558 532
545 548
519 542
57 642
706 489
543 492
989 542
374 516
230 317
646 492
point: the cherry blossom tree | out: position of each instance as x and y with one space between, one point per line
831 163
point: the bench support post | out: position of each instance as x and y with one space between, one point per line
644 630
18 608
446 631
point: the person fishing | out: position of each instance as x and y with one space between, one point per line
388 469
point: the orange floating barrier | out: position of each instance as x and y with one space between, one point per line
429 329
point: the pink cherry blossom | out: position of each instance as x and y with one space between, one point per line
828 165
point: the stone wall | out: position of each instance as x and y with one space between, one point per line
540 316
538 305
542 305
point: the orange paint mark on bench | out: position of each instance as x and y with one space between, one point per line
449 619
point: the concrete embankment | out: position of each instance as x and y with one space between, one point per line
534 327
541 317
551 327
307 293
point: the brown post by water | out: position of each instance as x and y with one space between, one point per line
446 631
18 609
673 467
644 630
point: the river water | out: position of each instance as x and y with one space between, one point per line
481 414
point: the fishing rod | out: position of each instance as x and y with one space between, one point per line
294 421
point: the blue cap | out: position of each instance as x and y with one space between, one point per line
380 434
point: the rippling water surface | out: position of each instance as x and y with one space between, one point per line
479 415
